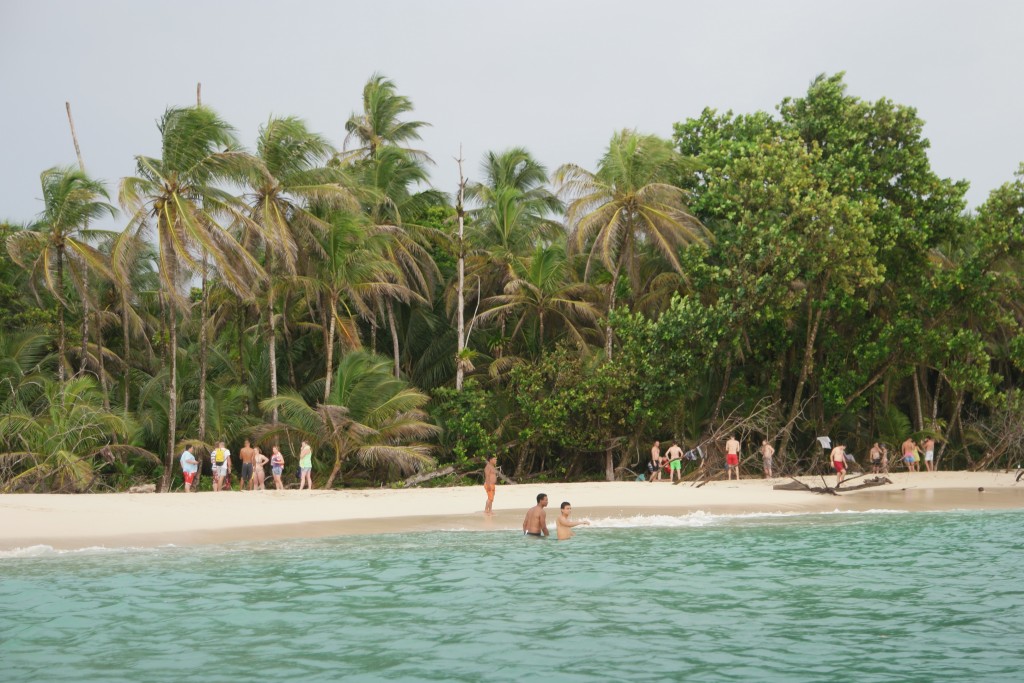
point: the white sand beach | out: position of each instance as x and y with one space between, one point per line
129 520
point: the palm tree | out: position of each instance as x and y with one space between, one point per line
379 124
59 240
57 448
291 177
628 205
370 416
544 294
177 197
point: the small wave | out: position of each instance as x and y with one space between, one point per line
33 551
702 519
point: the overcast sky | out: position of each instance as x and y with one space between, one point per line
556 77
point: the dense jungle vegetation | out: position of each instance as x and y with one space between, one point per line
780 275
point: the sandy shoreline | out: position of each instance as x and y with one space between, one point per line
141 520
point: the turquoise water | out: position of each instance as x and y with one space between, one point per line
838 597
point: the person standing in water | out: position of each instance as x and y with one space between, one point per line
490 482
563 525
535 523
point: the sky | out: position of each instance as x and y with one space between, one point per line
558 77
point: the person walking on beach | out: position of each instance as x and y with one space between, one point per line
189 467
259 475
839 462
656 465
929 454
277 467
536 524
675 461
767 453
306 466
220 459
563 525
490 481
245 455
732 457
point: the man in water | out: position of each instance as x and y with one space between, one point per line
490 482
535 523
220 459
563 525
189 467
675 461
767 453
839 462
655 468
732 457
246 456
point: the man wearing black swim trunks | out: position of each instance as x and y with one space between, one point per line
535 523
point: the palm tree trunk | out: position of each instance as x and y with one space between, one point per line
334 471
611 307
330 353
61 331
204 312
272 348
918 414
102 364
394 333
126 338
172 401
84 357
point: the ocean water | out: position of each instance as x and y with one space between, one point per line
876 596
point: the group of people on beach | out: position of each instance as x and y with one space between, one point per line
841 460
535 523
253 461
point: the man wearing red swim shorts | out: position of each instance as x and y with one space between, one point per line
732 457
839 462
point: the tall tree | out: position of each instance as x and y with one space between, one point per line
380 122
627 203
59 241
177 196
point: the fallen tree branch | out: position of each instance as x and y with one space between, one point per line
417 479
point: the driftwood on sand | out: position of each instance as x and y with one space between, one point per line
427 476
796 485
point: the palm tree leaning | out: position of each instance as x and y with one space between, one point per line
177 197
626 206
59 241
291 177
370 416
380 123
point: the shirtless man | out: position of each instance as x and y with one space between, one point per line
655 467
908 448
839 462
246 455
767 453
535 523
675 461
563 525
929 453
490 482
732 457
876 458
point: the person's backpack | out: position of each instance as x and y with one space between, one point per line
218 456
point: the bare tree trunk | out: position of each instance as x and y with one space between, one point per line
394 334
86 310
935 399
813 321
725 387
461 213
918 415
334 471
102 364
611 307
609 463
